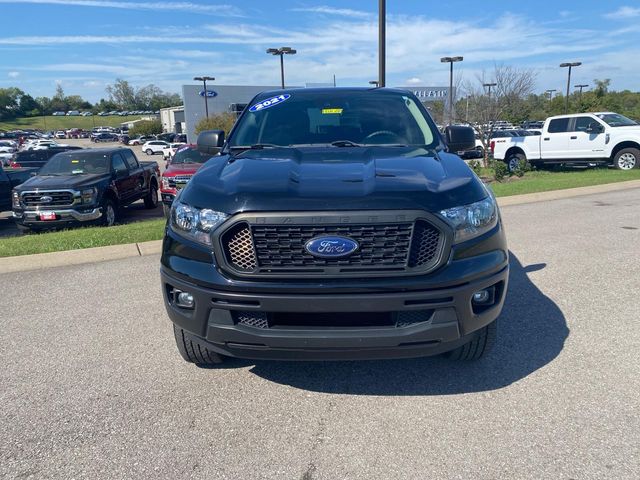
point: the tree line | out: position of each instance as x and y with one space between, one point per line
121 95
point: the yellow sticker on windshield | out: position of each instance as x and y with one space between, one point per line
330 111
75 161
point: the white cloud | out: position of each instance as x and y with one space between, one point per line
341 12
13 74
624 12
413 81
225 10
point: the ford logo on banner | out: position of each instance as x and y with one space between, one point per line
208 93
331 247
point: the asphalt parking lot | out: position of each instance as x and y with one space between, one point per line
131 213
93 386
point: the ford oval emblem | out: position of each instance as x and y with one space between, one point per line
331 247
208 93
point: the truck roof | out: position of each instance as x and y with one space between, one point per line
317 90
571 115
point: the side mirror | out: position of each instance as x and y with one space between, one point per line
210 141
459 138
595 128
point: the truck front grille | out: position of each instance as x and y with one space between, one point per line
386 248
179 181
52 199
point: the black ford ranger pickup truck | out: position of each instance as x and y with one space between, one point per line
81 187
334 224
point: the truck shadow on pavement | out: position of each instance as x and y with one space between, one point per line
532 331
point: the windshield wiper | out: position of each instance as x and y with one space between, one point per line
345 143
257 146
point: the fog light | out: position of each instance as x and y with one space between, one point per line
185 300
481 297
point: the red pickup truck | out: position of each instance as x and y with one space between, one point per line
184 164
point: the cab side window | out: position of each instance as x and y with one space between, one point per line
117 162
131 159
559 125
582 124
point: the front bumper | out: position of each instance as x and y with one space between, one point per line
64 217
451 319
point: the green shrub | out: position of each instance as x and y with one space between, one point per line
222 121
146 127
500 170
522 168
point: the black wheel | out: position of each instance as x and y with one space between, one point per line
513 161
148 151
479 346
193 351
166 209
627 159
109 213
151 200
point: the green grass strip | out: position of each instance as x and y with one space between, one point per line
545 180
85 237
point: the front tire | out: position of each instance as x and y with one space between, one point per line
627 159
148 151
194 351
481 345
109 213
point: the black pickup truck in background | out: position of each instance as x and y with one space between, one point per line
83 187
37 158
10 178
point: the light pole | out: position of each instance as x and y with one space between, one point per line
488 86
570 65
451 61
282 51
581 86
551 92
206 96
382 42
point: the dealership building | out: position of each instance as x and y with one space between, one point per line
233 98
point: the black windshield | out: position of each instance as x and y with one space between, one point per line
77 163
362 117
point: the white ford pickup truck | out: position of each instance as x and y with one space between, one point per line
579 139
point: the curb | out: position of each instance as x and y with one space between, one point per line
41 261
566 193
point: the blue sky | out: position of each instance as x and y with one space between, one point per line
85 44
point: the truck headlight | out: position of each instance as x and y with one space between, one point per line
15 200
165 183
89 196
194 223
470 221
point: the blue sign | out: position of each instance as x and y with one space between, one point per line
269 102
331 247
208 93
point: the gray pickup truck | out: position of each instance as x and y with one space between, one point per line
9 178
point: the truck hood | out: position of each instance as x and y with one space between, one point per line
54 182
358 178
182 169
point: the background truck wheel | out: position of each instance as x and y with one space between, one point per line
193 351
514 161
151 199
166 209
626 159
479 346
148 151
109 213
